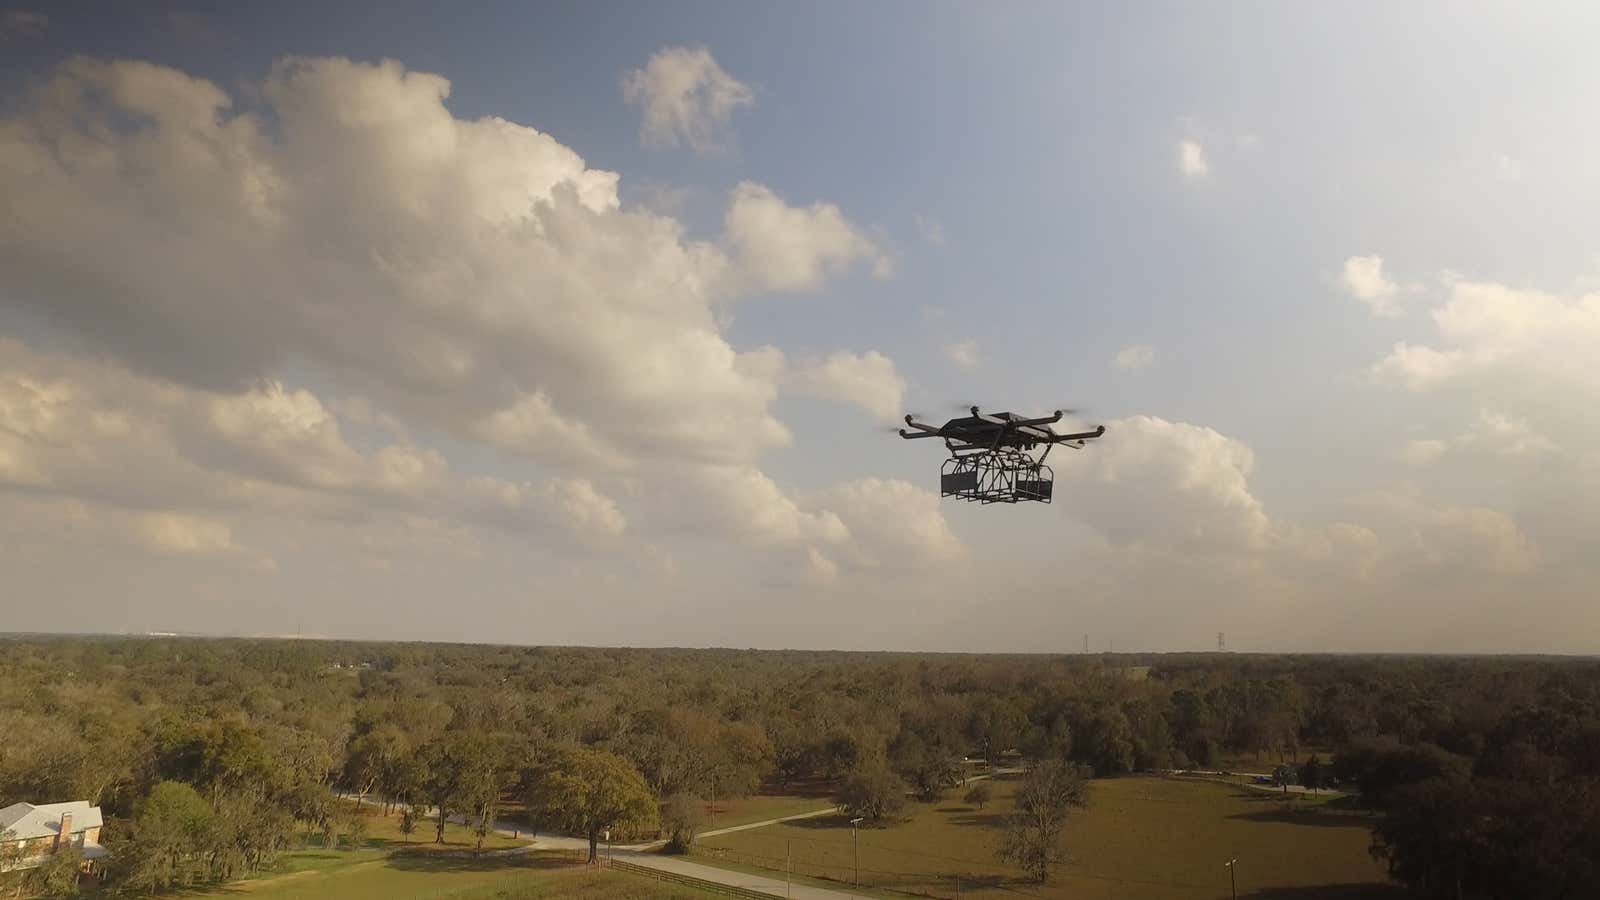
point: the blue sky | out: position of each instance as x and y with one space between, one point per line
1250 205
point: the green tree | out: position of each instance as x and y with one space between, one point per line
55 876
11 876
931 768
408 822
1311 773
1032 836
979 795
873 792
162 844
587 791
682 815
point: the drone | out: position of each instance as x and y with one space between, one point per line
992 455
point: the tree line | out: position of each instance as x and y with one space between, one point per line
209 756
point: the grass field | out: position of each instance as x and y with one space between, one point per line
363 875
744 810
1141 838
383 833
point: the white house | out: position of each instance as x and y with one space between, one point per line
38 831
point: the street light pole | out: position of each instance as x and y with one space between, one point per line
1233 882
857 844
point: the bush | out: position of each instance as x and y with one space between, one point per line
979 795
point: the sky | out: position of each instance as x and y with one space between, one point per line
588 324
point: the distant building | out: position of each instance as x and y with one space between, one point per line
38 831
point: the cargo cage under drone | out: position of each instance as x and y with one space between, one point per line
996 476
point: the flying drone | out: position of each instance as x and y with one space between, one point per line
992 455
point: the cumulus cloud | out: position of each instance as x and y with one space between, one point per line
892 524
1488 329
687 99
742 503
866 380
76 429
1423 452
1492 432
964 354
1169 484
1192 161
1363 278
778 247
1447 537
184 534
465 281
1137 356
472 275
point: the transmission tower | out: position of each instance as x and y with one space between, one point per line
1222 644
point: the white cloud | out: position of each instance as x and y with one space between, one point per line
185 534
777 247
77 429
821 570
744 504
892 524
1171 484
1500 434
473 276
1492 330
1192 160
1492 432
866 380
964 354
1423 452
1363 278
1447 537
574 502
687 99
932 230
1137 356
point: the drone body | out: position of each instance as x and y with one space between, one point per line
991 455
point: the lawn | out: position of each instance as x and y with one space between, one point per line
744 810
368 876
1140 838
383 832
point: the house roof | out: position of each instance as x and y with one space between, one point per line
27 821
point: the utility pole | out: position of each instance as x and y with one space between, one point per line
855 841
788 866
1233 882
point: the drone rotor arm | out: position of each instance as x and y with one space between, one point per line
1082 436
1044 420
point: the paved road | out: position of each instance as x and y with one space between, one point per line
763 824
764 883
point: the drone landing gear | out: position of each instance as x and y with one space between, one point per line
996 476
